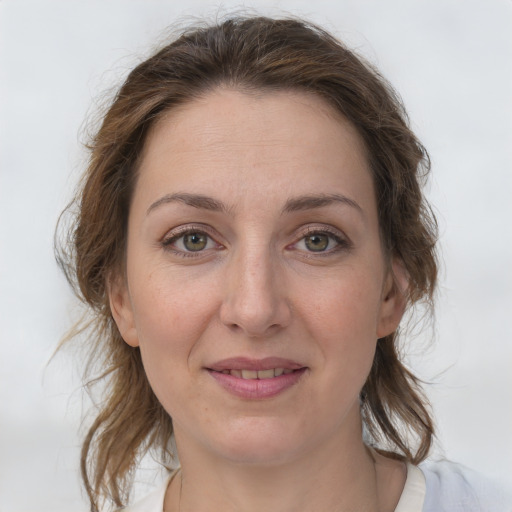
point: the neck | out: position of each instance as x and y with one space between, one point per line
341 475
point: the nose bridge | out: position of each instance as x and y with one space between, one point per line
254 302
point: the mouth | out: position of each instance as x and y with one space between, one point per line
256 379
248 368
258 374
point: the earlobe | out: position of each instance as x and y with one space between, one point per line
394 299
122 311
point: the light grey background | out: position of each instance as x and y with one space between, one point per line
452 63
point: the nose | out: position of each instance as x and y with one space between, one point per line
255 294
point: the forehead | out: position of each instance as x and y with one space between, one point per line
229 116
228 141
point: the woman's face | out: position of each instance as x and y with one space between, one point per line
256 286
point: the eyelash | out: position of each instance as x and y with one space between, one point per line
180 233
342 243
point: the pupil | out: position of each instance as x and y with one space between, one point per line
195 241
317 242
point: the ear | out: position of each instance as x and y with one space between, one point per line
394 299
122 310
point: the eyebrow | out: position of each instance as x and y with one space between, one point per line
311 202
196 200
301 203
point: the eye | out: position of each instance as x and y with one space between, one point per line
318 241
189 241
194 241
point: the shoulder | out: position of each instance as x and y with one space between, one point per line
452 487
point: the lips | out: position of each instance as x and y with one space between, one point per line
256 379
258 374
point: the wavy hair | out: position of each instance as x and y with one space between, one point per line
248 54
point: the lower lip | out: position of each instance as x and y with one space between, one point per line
255 389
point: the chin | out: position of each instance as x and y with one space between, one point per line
256 441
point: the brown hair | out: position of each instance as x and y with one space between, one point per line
252 53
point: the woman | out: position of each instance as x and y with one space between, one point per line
250 231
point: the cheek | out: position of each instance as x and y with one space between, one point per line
343 319
170 317
169 307
347 304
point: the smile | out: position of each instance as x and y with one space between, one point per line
258 374
256 380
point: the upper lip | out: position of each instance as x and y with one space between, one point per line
245 363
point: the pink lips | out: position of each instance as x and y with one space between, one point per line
256 388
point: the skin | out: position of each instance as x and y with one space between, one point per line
258 290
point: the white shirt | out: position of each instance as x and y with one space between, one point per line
431 487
